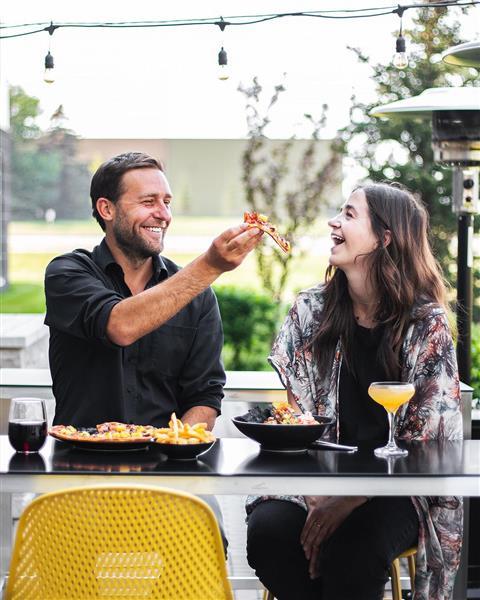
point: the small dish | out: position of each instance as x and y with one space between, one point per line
183 451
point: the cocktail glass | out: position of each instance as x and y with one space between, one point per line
391 395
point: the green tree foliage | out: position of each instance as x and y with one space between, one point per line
290 194
433 31
70 197
45 173
24 110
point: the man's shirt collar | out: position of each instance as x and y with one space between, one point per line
104 258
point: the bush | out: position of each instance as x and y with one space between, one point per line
249 324
475 374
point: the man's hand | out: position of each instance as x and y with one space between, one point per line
325 515
137 315
229 249
200 414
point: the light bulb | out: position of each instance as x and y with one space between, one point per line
49 75
400 59
223 70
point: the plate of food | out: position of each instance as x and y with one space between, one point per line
181 441
277 427
107 437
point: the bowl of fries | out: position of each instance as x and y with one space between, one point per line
181 441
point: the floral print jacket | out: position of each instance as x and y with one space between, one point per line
434 413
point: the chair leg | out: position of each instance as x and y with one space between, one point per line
395 579
411 571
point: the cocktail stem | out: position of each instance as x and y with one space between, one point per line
391 439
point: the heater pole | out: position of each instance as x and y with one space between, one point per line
465 205
464 296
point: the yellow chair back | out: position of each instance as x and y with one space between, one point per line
135 543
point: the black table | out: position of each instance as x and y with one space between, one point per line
237 466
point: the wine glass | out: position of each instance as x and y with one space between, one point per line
27 424
391 395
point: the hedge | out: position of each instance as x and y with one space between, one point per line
250 321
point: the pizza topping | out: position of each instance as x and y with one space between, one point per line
254 219
113 431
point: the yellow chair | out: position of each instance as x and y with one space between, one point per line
128 542
395 572
394 575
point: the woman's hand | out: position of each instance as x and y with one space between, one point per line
325 514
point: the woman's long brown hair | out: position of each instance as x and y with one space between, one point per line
404 273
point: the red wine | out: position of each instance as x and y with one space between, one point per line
27 436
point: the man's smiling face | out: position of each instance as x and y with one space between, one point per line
142 213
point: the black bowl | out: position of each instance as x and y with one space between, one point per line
183 451
283 437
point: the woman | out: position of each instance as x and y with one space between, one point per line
380 316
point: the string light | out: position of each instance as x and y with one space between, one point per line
223 73
49 75
223 70
354 13
400 59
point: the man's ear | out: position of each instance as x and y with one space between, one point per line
387 238
105 208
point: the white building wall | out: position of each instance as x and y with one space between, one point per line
205 174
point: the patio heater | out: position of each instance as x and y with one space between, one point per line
455 114
463 55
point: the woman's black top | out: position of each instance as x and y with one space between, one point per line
362 419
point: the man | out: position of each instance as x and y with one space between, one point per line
134 338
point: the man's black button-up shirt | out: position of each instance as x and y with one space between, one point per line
172 369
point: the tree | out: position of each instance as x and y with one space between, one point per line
33 173
24 110
291 194
69 196
45 172
433 31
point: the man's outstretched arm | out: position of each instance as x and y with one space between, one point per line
134 317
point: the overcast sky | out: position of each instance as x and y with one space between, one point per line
163 82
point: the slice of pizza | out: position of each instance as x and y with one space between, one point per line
255 219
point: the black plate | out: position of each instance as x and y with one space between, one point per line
283 438
183 451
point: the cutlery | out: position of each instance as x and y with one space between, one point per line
333 446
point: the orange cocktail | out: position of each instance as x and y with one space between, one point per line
391 395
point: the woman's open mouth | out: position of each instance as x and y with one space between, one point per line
337 239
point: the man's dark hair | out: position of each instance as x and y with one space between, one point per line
107 180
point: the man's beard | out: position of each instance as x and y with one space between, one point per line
133 246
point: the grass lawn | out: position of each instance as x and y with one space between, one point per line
181 225
23 298
26 269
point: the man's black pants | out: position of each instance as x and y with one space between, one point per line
354 561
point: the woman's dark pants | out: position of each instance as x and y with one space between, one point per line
354 561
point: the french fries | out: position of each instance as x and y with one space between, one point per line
182 433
